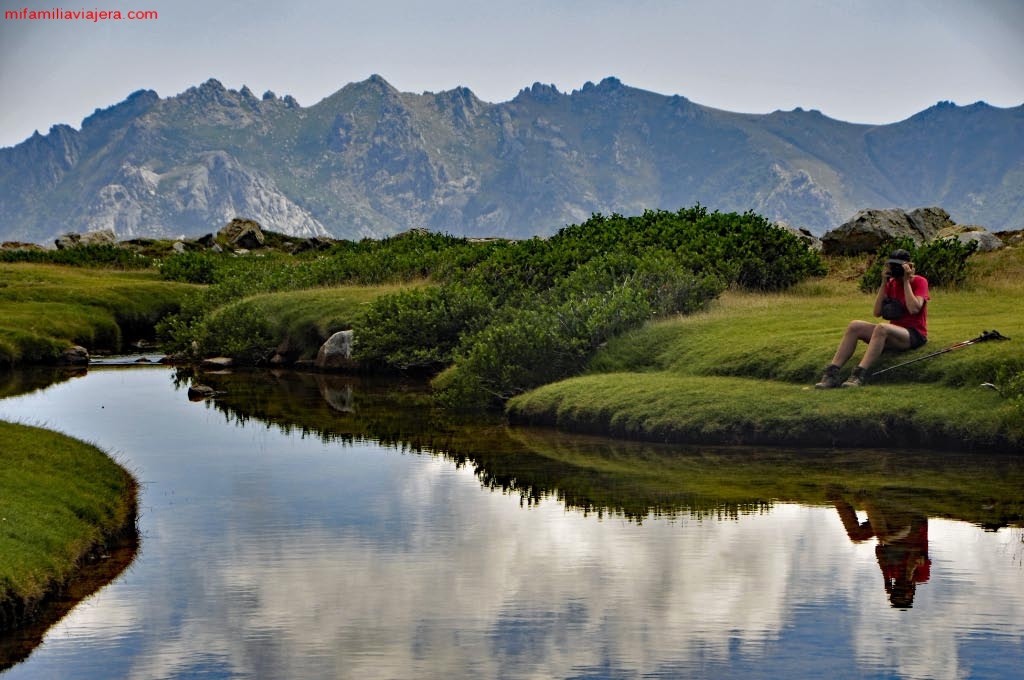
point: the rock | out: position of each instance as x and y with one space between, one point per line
218 362
74 356
336 353
242 234
91 238
812 241
200 392
18 245
869 229
986 240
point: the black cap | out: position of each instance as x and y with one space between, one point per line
898 256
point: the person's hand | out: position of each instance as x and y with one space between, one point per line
908 270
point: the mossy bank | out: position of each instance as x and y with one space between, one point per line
742 372
62 501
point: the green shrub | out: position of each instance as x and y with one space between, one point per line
1010 383
190 267
99 256
420 328
943 262
241 331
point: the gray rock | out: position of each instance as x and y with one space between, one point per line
74 356
200 392
869 229
336 353
812 241
91 238
986 240
242 234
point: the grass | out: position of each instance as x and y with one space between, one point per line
301 320
60 498
45 308
741 372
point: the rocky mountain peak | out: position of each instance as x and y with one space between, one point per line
371 161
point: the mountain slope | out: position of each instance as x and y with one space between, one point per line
371 161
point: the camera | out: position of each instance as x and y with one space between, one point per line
896 270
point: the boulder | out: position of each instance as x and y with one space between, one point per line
18 245
218 362
869 229
243 234
336 353
74 356
986 240
91 238
812 241
200 392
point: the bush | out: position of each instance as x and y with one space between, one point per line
190 267
420 328
242 331
99 256
942 262
554 338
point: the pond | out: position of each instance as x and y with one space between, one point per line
312 526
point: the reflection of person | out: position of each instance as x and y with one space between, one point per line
902 549
902 301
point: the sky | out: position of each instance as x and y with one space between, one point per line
863 61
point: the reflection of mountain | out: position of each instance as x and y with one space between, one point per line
631 479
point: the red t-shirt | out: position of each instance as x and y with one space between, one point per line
919 321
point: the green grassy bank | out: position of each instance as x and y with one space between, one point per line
60 500
742 372
44 309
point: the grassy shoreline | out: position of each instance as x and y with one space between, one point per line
61 502
741 373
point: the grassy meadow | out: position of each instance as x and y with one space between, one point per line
46 308
60 499
742 371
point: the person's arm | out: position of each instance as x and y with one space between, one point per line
880 297
913 302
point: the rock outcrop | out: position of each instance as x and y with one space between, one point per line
866 231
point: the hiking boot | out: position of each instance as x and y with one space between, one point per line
830 378
857 378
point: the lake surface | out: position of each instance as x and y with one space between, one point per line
316 527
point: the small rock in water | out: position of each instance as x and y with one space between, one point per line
200 392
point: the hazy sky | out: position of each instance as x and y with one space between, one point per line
870 61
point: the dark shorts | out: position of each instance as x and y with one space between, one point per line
916 339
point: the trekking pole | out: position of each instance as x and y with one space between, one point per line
985 335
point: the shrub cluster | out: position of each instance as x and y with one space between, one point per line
530 312
943 262
509 315
99 256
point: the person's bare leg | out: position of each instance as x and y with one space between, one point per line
855 332
884 335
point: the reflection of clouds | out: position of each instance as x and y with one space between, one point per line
472 584
973 588
271 556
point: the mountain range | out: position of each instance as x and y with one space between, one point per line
370 161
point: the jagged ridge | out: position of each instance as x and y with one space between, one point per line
370 161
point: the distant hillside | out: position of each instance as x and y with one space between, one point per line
371 161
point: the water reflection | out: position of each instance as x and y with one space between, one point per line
902 549
284 537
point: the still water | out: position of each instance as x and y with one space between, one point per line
313 527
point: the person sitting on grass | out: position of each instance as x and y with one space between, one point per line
901 300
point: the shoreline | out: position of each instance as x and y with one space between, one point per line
37 579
